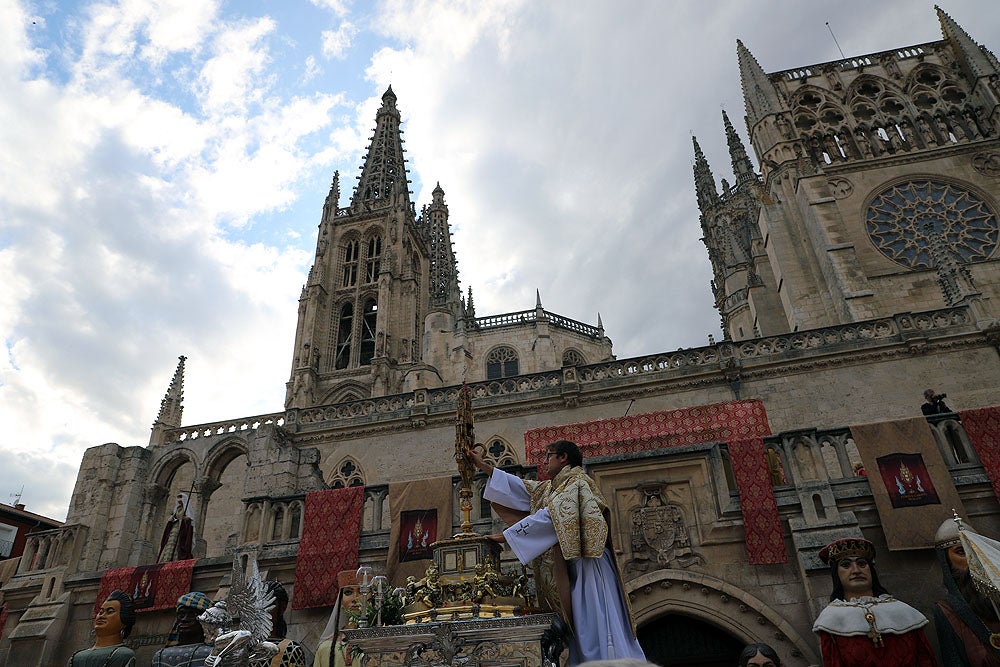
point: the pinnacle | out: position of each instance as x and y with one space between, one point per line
388 93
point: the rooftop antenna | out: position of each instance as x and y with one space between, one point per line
16 497
835 40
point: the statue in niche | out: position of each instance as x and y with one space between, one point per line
909 134
926 132
178 534
956 126
804 459
864 145
659 535
943 129
784 127
970 121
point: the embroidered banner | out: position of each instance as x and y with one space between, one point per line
331 535
409 501
983 427
761 524
910 483
716 422
158 586
736 423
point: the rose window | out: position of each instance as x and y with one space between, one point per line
905 218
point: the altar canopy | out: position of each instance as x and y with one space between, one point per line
331 534
983 427
154 587
740 424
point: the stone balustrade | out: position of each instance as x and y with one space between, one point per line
221 428
857 62
47 549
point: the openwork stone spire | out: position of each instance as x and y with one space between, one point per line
172 405
759 94
704 181
978 62
383 175
444 270
742 167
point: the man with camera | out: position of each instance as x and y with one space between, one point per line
934 403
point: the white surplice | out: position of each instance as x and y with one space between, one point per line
603 630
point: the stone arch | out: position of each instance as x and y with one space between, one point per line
500 362
220 516
722 604
164 487
348 472
346 392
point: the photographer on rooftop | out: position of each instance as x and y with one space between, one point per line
934 403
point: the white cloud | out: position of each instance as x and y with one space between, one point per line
338 7
230 80
337 42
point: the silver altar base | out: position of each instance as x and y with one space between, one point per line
523 641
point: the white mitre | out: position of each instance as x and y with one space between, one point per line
847 618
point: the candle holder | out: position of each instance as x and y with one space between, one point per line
379 584
364 585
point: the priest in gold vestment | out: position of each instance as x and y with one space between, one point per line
561 525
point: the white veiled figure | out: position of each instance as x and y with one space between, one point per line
983 555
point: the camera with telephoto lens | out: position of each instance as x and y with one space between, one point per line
939 397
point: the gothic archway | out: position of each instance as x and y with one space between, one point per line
675 640
719 604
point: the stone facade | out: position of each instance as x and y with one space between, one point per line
828 319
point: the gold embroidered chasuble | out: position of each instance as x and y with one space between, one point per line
579 515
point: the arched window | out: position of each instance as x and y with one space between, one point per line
351 264
572 358
343 354
368 322
295 516
279 520
373 258
501 363
348 473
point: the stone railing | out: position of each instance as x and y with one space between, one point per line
831 454
530 317
902 328
221 428
48 549
857 62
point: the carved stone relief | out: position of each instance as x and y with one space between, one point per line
659 535
841 188
987 163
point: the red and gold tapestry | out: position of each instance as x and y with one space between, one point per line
160 585
983 427
716 422
761 524
911 486
331 535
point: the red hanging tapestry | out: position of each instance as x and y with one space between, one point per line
983 427
156 586
716 422
331 535
761 524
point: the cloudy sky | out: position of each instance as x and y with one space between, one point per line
165 163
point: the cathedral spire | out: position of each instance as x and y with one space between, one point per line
444 269
383 175
759 94
742 167
977 61
332 198
704 181
172 405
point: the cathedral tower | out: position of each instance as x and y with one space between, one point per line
361 311
878 192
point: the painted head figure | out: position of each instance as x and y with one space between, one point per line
759 655
187 629
852 568
114 619
955 569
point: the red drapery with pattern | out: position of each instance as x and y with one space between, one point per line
170 581
983 427
331 535
741 424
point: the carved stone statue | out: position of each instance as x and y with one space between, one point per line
178 534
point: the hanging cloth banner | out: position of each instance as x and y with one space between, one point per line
331 535
153 587
983 427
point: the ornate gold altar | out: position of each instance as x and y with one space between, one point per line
465 580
